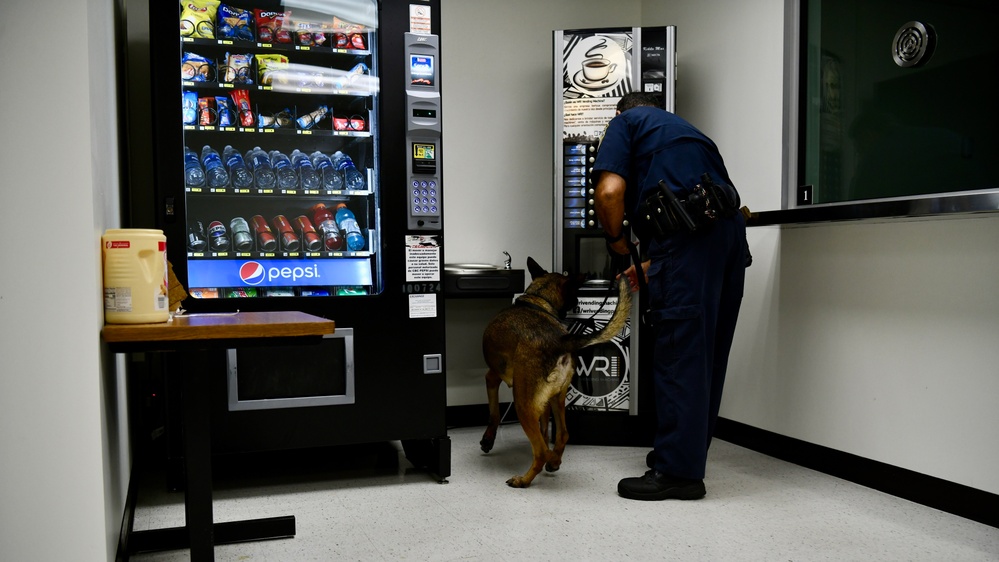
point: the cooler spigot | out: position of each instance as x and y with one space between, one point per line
508 261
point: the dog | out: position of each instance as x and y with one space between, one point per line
527 347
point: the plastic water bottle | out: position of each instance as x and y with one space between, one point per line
348 224
194 176
352 177
260 163
331 177
306 172
286 176
241 176
214 170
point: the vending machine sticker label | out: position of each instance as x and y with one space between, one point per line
423 258
419 19
423 305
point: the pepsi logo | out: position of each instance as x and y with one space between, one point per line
252 273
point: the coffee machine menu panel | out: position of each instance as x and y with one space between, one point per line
423 131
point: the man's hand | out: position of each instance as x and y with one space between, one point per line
633 277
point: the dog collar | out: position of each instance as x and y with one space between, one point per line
529 304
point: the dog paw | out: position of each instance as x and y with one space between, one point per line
486 445
517 482
552 466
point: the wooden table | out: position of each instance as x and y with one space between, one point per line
194 338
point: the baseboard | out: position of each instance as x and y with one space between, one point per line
957 499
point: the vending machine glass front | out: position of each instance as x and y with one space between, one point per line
280 128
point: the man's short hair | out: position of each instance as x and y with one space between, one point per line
637 99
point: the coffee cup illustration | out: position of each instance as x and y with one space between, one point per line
595 70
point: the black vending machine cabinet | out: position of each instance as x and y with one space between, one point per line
610 400
326 120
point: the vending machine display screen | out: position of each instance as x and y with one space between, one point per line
421 70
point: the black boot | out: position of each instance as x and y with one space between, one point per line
655 486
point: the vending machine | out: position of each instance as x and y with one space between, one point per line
608 401
296 165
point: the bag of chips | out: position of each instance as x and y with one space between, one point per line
197 18
271 67
273 27
194 67
189 107
234 23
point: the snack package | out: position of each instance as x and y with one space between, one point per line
359 69
189 107
273 27
194 67
309 120
197 18
225 114
241 104
237 69
206 111
271 67
235 23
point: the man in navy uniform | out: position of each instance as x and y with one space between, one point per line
695 284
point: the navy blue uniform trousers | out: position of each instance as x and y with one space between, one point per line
695 288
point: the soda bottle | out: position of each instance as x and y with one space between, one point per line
218 240
260 164
265 238
194 176
352 177
196 240
348 224
286 176
289 240
325 223
238 172
214 170
242 240
307 233
332 179
306 172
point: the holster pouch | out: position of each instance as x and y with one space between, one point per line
663 212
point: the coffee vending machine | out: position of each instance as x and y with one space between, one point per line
608 402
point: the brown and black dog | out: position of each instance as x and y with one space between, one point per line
527 347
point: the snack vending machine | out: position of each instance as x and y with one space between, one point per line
296 165
608 401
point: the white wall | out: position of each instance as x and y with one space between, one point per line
60 482
876 339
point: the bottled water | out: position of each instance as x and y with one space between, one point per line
194 176
331 177
215 173
348 224
260 163
286 176
306 172
352 177
238 172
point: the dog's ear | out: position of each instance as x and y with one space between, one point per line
535 269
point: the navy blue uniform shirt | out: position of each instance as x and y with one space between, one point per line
647 144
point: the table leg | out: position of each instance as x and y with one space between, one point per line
198 455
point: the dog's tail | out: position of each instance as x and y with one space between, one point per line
617 322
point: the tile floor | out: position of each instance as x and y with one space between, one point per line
378 507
